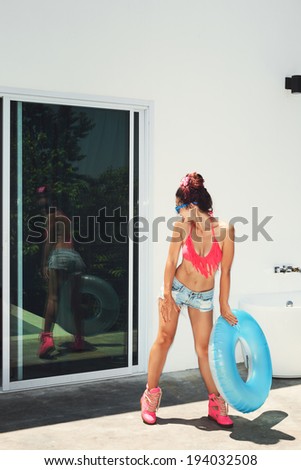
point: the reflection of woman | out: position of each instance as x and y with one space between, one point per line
205 243
60 263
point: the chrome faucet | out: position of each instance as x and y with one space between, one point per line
287 269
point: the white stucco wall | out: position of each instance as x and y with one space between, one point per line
215 70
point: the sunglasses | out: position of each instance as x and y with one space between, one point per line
178 208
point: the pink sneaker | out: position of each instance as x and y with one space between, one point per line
150 402
218 411
47 345
79 343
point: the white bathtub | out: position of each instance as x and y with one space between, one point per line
281 326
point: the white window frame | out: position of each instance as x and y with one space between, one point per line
145 109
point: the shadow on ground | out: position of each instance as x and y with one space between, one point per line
67 403
258 431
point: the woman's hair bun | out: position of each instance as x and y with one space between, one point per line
192 189
196 180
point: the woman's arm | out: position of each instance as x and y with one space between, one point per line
225 279
170 268
172 257
47 246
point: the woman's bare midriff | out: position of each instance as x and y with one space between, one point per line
63 245
62 228
187 275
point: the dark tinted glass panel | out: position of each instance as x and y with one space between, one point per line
1 121
69 243
136 243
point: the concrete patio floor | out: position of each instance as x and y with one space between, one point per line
105 415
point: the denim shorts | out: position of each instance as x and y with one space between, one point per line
185 297
66 259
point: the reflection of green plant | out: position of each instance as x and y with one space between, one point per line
51 150
107 260
51 137
103 263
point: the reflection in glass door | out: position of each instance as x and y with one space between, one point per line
1 245
74 269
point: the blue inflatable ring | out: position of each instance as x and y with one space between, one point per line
102 316
249 395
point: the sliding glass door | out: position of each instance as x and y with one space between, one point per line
1 245
74 257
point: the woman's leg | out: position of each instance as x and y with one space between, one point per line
52 301
151 397
159 350
47 343
202 323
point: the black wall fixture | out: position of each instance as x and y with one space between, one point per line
293 83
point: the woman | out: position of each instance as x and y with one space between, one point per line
206 244
60 264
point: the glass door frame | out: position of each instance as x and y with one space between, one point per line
145 110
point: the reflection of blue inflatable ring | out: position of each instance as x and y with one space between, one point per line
102 308
249 395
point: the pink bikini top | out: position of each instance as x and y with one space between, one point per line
208 264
